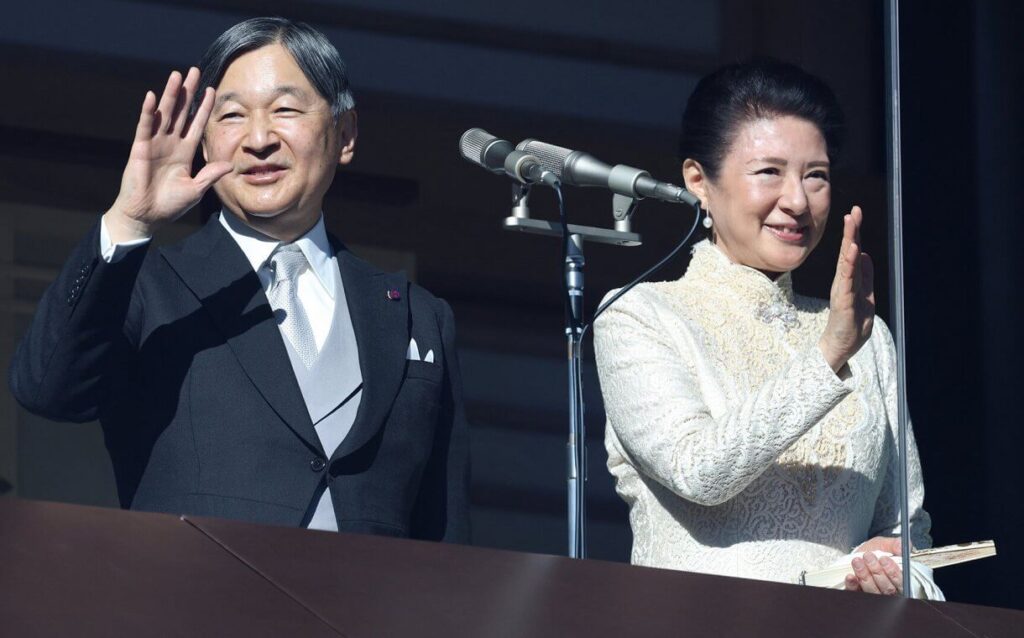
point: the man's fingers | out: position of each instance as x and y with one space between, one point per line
184 101
210 173
852 584
198 123
167 101
144 130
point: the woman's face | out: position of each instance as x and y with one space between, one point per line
771 198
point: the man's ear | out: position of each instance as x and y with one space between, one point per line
348 131
695 180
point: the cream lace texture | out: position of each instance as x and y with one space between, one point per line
737 449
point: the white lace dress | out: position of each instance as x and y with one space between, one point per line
737 449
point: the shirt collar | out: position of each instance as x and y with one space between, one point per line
257 247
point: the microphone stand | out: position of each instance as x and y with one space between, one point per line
577 446
576 450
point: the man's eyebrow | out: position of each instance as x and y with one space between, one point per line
288 89
284 89
225 97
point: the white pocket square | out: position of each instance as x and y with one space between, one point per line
413 353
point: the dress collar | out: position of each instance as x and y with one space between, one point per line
258 247
771 300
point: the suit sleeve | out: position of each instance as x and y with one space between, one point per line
79 336
441 512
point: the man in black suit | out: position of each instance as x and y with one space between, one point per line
257 370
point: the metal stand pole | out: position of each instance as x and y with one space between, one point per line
892 27
577 445
576 450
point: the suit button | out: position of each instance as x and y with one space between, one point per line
317 465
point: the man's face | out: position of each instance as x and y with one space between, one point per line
278 132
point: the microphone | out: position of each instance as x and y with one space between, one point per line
580 169
499 156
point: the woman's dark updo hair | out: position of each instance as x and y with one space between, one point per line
740 93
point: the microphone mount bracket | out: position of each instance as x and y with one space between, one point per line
623 207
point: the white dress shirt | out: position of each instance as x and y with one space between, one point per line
316 287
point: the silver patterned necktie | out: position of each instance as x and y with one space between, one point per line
286 264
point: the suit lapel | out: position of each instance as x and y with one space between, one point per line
381 325
213 266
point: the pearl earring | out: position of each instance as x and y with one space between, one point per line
707 221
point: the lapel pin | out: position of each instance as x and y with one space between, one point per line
393 294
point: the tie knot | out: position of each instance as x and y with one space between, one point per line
287 262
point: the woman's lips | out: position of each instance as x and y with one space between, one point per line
788 234
263 174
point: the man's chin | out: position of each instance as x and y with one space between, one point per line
264 211
263 214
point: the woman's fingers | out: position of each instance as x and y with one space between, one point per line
847 236
864 577
852 584
883 583
875 575
893 572
843 284
857 217
867 279
855 270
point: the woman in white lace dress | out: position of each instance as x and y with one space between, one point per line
752 430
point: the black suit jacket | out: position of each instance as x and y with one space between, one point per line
176 352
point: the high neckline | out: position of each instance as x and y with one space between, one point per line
710 265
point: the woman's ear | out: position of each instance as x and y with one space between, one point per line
695 181
348 131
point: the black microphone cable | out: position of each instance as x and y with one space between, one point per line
644 275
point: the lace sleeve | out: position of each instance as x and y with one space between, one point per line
886 521
653 401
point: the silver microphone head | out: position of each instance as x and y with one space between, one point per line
571 167
551 157
472 143
482 148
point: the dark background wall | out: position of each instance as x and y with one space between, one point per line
962 102
608 77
